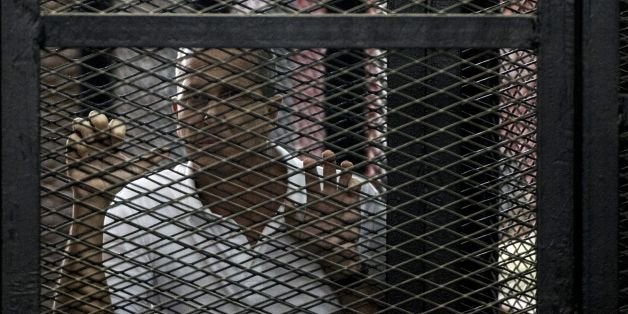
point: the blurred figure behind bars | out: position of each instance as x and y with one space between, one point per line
208 109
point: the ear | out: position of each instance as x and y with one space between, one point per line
274 103
175 111
175 108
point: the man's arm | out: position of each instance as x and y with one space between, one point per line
82 287
98 171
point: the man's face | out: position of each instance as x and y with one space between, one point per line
222 111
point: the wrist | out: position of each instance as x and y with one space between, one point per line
88 216
359 293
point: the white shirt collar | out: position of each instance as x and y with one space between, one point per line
294 193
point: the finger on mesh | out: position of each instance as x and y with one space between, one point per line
75 143
311 179
336 231
350 235
345 177
118 131
350 216
336 203
329 171
100 123
84 128
353 192
348 251
149 161
330 241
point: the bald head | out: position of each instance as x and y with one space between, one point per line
222 106
257 66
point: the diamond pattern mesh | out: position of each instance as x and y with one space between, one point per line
442 145
443 148
289 7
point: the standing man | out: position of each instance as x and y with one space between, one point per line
239 226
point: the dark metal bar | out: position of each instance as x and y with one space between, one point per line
600 155
403 210
20 151
556 164
268 31
440 256
622 264
623 108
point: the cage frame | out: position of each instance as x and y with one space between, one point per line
577 45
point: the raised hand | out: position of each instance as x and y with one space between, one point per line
98 169
94 159
328 223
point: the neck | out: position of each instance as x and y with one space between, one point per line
245 188
242 181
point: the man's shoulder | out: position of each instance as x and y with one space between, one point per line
150 192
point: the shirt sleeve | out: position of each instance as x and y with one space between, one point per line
127 257
372 240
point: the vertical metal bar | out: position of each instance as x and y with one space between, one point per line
20 162
442 245
556 164
600 157
406 266
426 262
482 205
623 205
475 289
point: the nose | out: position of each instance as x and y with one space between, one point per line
210 111
214 113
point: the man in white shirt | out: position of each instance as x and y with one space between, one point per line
239 227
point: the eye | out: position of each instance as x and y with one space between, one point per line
229 93
198 99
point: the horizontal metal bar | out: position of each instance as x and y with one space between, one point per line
273 31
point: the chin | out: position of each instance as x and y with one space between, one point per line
206 161
211 154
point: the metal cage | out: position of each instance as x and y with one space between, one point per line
482 135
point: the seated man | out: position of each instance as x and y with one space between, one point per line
237 227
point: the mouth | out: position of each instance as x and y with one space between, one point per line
206 141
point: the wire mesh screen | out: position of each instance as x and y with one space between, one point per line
284 180
290 7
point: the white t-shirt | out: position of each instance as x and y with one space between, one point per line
168 255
